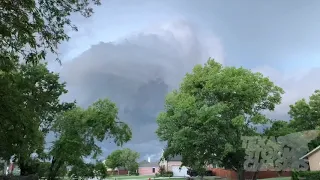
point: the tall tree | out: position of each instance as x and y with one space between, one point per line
126 158
214 107
288 139
88 170
305 116
113 159
30 97
28 31
129 159
279 128
79 129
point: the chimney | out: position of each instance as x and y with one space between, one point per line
148 159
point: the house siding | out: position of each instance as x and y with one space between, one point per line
118 172
173 163
314 161
148 170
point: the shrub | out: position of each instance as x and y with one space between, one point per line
168 174
133 173
305 175
162 170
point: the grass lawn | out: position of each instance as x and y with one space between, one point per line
165 178
279 178
129 177
141 178
153 178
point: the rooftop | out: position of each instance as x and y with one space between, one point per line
311 152
148 164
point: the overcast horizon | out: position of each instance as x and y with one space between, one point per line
123 50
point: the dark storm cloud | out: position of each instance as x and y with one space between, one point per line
137 73
251 37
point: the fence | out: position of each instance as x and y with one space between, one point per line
230 174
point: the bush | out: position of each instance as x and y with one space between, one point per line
168 174
306 175
133 173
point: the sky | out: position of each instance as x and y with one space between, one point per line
127 44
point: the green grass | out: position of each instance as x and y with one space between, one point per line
129 177
154 178
279 178
124 177
116 177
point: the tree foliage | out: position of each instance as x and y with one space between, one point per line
126 158
88 170
30 101
29 92
113 160
301 133
79 129
205 118
30 28
279 128
305 116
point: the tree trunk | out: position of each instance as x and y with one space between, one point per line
53 171
254 177
23 167
240 173
50 175
280 173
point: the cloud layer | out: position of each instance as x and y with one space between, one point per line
136 72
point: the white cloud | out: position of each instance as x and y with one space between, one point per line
297 85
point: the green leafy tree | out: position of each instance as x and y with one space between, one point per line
279 128
113 160
43 170
214 107
305 116
100 170
78 131
129 159
82 171
88 170
126 158
30 97
30 28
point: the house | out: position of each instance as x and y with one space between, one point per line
117 171
313 158
173 164
148 168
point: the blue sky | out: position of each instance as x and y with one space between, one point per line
149 38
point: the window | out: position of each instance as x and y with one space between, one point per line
153 170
